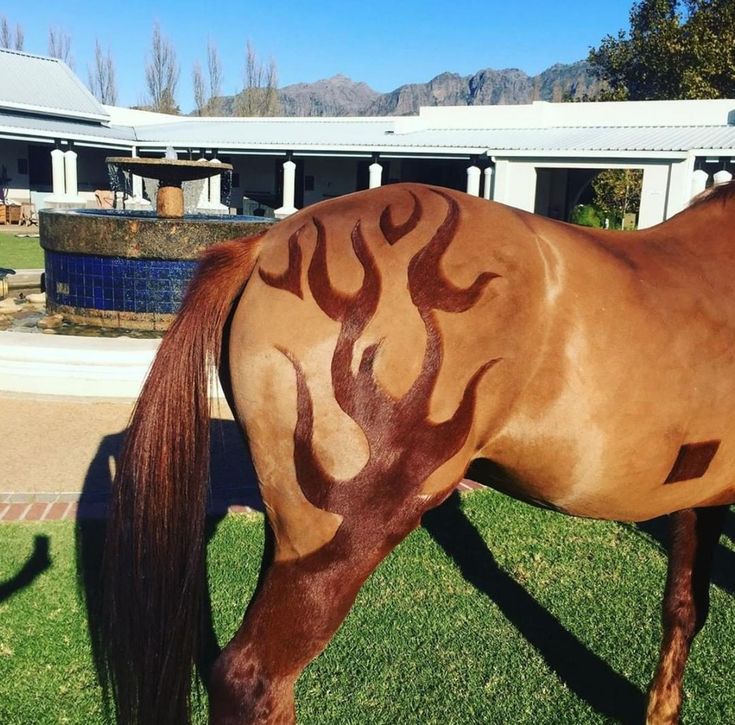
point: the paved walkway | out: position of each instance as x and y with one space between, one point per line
48 442
57 458
19 228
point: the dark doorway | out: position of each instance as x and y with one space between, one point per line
39 167
558 191
450 173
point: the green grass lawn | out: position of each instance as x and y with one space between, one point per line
20 252
564 628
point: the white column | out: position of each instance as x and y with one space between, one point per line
289 191
215 191
680 181
487 189
653 195
699 181
376 175
70 172
722 177
501 179
203 201
215 186
473 180
58 191
137 184
138 188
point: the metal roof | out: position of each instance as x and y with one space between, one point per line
379 134
598 138
36 84
15 124
323 133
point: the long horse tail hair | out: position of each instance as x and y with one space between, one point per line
153 570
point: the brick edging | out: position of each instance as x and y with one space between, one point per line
65 505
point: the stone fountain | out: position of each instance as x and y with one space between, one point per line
170 174
129 269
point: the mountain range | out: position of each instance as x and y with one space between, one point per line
341 96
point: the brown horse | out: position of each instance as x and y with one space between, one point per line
372 347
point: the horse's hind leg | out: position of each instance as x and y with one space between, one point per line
694 536
299 605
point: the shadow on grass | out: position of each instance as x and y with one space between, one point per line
586 674
35 565
723 563
233 483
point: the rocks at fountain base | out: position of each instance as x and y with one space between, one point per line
51 322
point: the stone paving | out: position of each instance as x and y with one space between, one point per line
52 444
57 458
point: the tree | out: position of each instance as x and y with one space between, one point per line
162 74
214 67
674 49
259 96
617 193
586 215
59 46
208 96
710 34
101 78
8 39
200 91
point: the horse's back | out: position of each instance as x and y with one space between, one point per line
596 382
629 415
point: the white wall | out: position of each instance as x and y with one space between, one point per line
653 195
542 114
680 186
515 184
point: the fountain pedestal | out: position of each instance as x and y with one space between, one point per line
170 202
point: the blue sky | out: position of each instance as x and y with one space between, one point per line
382 42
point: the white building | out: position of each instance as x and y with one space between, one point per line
54 137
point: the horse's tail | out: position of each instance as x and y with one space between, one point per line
154 551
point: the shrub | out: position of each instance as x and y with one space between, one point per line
586 215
